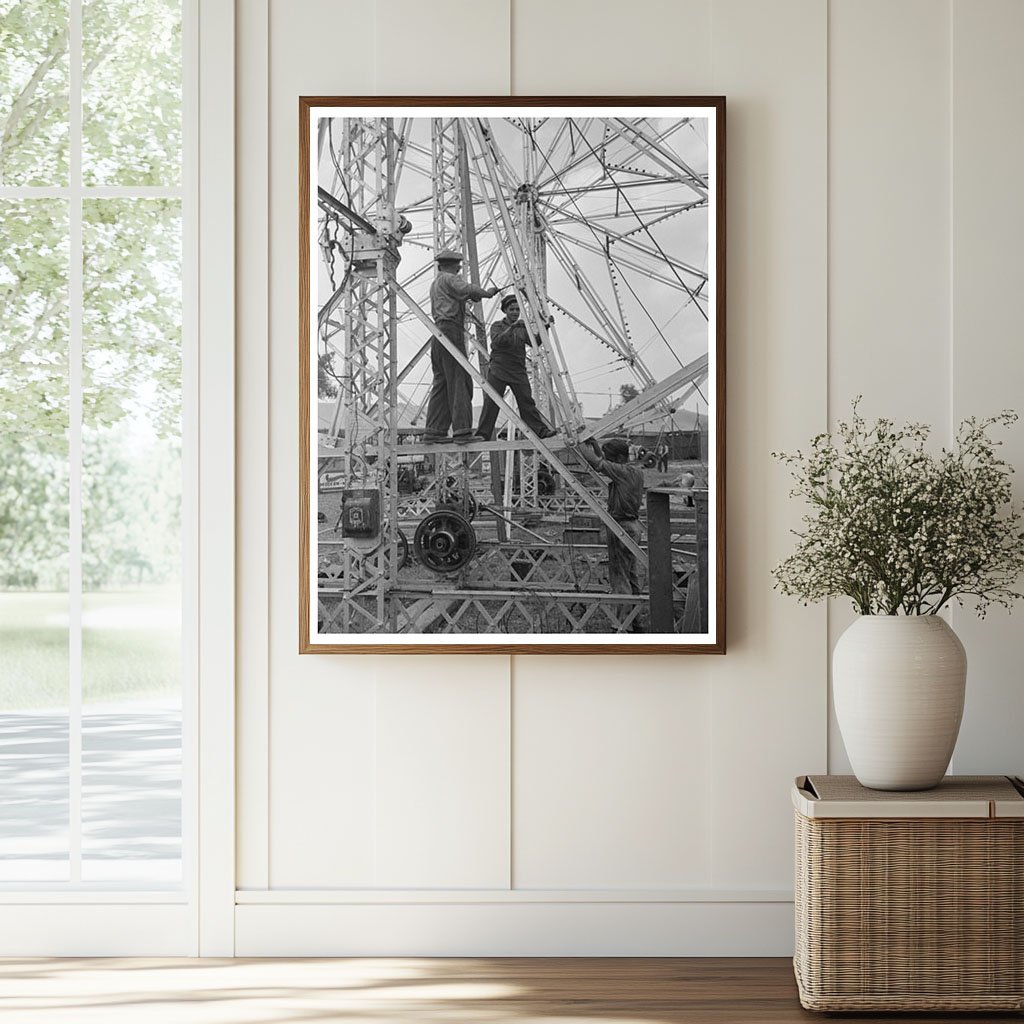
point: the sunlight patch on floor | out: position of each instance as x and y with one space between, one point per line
218 991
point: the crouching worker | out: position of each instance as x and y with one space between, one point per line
507 369
625 499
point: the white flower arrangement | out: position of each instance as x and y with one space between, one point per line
899 530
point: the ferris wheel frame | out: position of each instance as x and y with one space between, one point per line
623 118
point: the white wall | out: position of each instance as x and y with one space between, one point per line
625 805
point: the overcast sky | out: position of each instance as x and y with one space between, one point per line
682 236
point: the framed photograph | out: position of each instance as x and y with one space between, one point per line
512 375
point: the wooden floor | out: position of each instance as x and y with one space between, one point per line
413 991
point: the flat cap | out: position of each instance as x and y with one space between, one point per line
615 448
448 256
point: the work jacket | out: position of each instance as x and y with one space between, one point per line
508 350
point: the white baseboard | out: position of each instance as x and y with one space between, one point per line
514 928
96 929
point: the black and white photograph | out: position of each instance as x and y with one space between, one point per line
512 375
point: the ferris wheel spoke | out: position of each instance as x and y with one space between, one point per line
589 295
667 215
626 239
654 212
563 129
587 153
654 323
606 341
573 129
667 260
646 271
663 137
610 265
656 152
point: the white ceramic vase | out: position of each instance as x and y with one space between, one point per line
898 685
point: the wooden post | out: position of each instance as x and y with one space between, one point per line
700 501
659 559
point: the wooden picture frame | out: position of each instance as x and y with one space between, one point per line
604 219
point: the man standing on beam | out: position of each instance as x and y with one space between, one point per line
506 368
451 393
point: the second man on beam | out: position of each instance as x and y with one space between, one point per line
510 339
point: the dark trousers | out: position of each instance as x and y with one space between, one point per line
623 577
451 393
520 385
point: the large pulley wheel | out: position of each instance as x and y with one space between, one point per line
444 541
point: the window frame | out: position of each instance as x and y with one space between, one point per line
76 918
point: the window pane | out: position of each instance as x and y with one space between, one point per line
33 92
131 541
131 92
33 540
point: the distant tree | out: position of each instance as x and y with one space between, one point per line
627 393
131 302
326 385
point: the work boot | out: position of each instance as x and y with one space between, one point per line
546 432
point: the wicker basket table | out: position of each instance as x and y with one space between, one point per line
910 901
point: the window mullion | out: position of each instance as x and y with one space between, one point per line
75 335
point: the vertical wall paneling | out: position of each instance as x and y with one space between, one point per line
252 463
577 47
321 723
889 220
444 48
769 692
889 245
987 363
323 820
442 775
612 775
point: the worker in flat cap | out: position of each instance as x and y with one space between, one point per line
451 393
510 339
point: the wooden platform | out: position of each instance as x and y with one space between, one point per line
417 990
451 448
